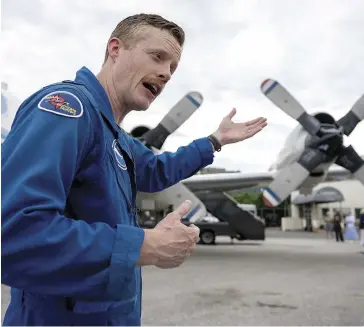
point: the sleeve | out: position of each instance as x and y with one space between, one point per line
42 250
156 172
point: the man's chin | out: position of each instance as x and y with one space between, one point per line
142 105
141 108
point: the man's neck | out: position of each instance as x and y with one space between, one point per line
117 108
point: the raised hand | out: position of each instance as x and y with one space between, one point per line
230 132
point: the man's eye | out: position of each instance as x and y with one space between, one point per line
157 55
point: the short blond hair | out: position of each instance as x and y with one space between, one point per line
128 28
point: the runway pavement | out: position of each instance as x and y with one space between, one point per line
292 278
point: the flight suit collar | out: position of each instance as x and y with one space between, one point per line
87 78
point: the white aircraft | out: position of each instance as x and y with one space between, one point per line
312 147
305 160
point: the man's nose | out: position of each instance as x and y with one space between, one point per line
165 75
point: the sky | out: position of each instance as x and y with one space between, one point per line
313 48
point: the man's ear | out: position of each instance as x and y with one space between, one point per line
114 45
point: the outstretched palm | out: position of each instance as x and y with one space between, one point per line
230 132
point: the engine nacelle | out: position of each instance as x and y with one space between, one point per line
324 118
139 131
296 143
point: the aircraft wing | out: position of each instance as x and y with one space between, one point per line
228 181
235 181
338 174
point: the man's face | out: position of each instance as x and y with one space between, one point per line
140 74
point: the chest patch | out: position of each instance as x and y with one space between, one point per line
118 155
62 103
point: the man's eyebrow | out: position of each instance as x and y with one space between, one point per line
162 51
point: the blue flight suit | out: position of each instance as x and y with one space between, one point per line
70 238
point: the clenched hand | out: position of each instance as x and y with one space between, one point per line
171 242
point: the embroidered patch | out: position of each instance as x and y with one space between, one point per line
118 155
62 103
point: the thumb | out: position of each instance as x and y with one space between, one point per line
182 209
231 114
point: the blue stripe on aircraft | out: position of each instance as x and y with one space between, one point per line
189 216
271 87
193 100
275 196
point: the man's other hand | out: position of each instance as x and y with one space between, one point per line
171 242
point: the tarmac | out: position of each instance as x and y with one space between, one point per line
291 278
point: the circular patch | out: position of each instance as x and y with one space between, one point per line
118 156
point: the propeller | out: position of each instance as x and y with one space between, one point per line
350 160
276 93
292 176
155 139
353 117
324 146
178 114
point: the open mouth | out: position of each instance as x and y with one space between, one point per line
152 88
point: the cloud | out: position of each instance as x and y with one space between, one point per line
314 48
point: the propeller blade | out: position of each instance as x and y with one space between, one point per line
291 177
179 113
276 93
353 117
350 160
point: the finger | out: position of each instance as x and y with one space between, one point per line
255 121
261 124
182 209
248 133
195 228
259 121
190 228
195 231
258 124
253 131
231 114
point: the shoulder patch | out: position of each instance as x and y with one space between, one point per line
62 103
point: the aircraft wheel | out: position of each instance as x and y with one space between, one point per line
240 237
207 237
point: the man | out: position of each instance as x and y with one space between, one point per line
329 226
72 250
337 227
